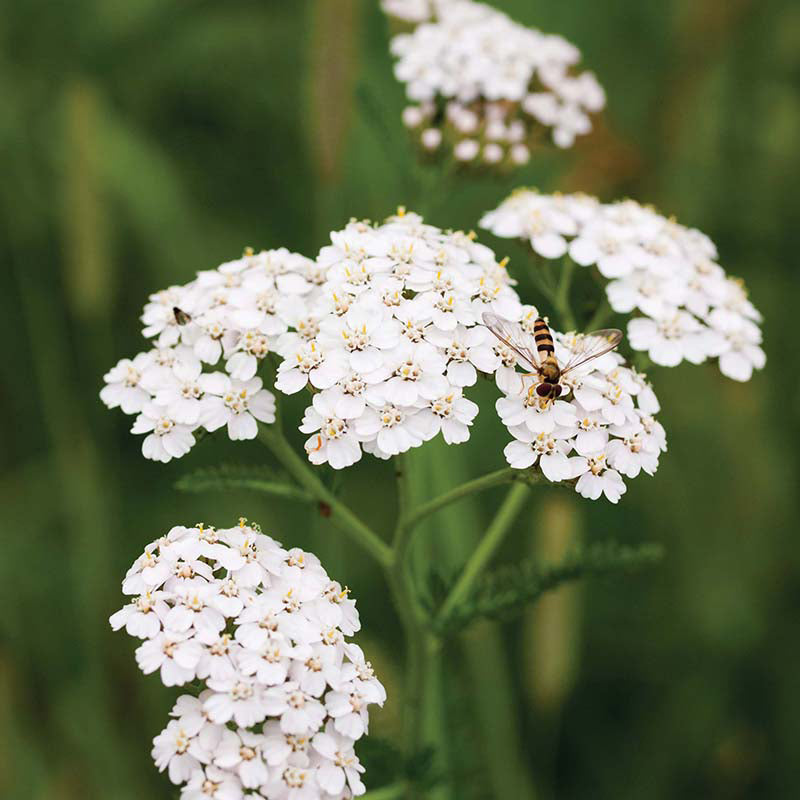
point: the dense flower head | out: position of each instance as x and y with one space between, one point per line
486 87
684 305
208 339
264 629
393 338
600 429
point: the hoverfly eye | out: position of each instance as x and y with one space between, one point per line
543 389
556 390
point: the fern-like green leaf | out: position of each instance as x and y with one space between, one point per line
506 590
237 476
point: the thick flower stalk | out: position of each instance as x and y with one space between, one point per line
394 339
486 88
601 427
210 337
684 306
264 630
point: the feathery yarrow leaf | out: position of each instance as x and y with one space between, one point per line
238 476
508 589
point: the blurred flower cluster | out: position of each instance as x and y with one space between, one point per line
685 306
600 429
286 696
396 338
231 315
485 87
413 11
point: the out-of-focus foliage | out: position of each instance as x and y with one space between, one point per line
140 142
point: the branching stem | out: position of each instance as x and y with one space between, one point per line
496 478
341 515
486 549
561 297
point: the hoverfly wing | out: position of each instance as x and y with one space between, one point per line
513 335
181 317
591 346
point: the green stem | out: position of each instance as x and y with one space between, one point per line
496 478
504 519
341 515
537 276
392 792
561 299
412 615
642 362
600 317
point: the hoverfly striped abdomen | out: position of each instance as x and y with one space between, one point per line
549 371
543 337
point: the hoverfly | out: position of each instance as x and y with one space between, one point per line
537 352
181 317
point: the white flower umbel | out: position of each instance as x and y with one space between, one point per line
599 430
264 629
398 339
212 335
684 306
486 87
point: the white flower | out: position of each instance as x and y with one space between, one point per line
468 350
740 351
184 745
238 405
397 339
498 81
691 310
390 430
300 713
192 610
595 478
265 629
452 414
242 752
308 362
167 438
123 387
670 340
293 783
336 441
143 616
348 707
549 449
181 390
212 783
340 766
174 655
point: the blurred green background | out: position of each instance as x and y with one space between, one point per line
143 141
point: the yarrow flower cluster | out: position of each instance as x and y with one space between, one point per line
602 428
395 338
667 275
485 86
264 629
230 316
